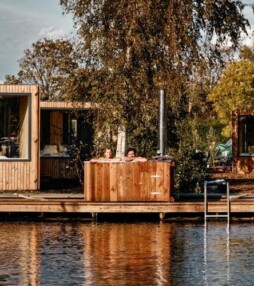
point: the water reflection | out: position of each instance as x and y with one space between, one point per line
127 253
223 250
64 253
19 254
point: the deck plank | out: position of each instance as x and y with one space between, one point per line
80 206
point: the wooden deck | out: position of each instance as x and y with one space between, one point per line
65 205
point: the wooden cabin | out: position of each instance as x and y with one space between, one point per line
243 141
36 137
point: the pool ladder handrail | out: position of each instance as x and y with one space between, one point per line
206 213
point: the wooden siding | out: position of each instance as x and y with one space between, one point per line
128 181
20 174
56 127
57 168
241 164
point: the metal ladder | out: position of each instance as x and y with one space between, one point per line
206 213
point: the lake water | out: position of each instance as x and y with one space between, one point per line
126 253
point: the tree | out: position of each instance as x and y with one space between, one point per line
135 48
129 50
234 90
247 53
48 63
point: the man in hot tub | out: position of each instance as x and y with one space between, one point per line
131 156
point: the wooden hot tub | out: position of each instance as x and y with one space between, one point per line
128 181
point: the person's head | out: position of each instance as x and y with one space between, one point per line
131 153
108 153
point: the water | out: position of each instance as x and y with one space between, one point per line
122 253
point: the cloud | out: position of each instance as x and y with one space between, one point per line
27 21
19 28
248 39
52 32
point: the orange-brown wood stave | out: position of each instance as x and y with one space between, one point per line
113 182
106 183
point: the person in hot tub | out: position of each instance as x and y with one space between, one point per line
131 155
107 157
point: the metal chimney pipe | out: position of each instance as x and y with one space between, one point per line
161 123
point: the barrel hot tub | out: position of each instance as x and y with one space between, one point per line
128 181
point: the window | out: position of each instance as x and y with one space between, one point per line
14 127
246 135
61 130
58 127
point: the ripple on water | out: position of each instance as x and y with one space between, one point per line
152 253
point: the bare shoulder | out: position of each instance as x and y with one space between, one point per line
94 160
140 159
102 159
115 160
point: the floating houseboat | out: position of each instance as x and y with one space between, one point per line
35 137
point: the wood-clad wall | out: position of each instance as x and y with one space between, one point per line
128 181
57 168
19 174
56 128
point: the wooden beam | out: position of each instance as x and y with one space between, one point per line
79 206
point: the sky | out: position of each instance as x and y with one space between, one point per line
23 22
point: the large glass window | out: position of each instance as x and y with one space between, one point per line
63 130
246 135
14 127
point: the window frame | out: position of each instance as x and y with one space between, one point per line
29 137
241 134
